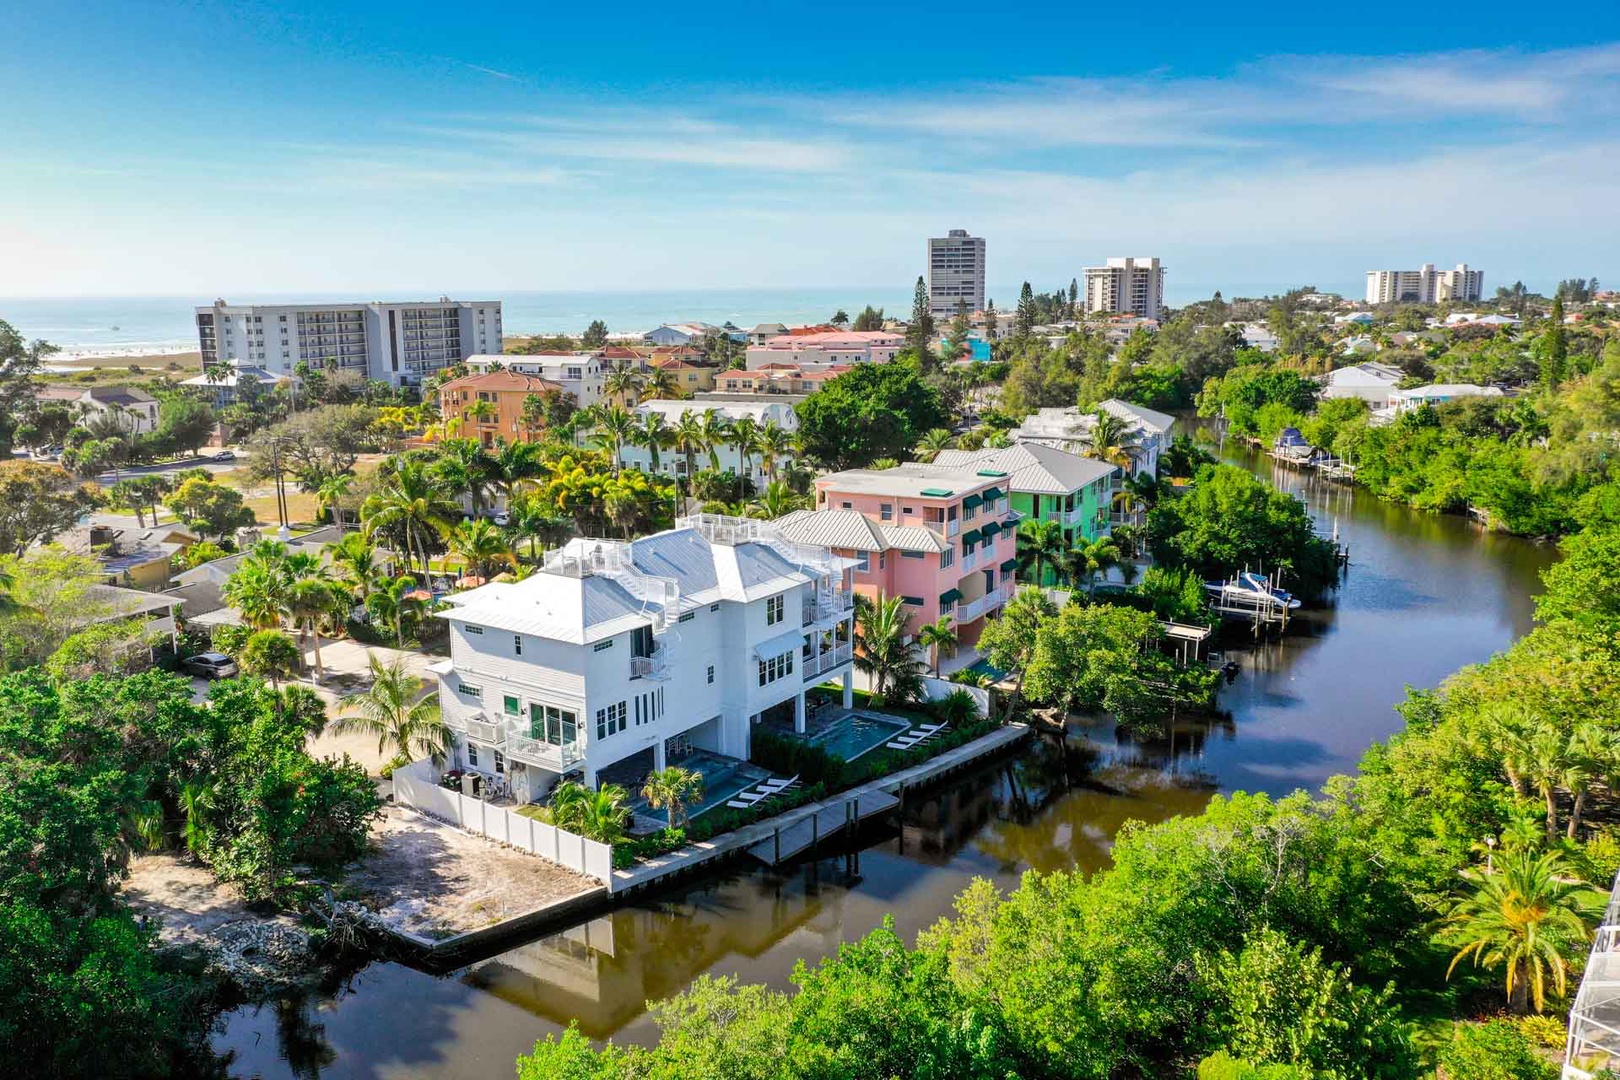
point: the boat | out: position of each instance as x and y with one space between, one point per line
1291 444
1251 588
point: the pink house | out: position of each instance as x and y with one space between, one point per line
944 539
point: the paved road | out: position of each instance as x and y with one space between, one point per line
125 472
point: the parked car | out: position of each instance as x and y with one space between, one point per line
224 455
210 665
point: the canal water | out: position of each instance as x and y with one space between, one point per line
1423 596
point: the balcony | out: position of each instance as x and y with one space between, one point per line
943 528
484 731
655 666
969 560
827 661
556 758
826 605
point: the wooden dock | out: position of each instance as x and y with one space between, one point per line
809 831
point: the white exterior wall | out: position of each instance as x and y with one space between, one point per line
374 339
579 375
585 678
956 273
1132 286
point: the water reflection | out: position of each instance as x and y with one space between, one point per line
1424 595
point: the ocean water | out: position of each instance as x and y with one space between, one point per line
114 325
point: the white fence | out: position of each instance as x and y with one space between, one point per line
414 786
940 688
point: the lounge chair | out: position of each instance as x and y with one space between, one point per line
746 799
906 743
780 785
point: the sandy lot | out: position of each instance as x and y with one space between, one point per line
184 896
435 880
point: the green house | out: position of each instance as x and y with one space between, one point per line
1047 485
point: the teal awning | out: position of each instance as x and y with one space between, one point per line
937 493
1009 566
914 601
971 536
971 501
949 596
991 494
990 528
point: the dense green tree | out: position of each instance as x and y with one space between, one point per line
185 423
874 411
212 509
870 318
595 335
920 330
38 502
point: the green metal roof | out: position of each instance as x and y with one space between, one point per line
972 501
938 493
991 494
950 596
1010 564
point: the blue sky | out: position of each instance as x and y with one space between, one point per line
256 147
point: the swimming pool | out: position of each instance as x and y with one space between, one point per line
853 734
723 778
984 667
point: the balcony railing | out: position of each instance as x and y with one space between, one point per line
827 661
827 605
557 758
485 731
655 666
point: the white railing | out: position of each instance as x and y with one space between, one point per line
551 756
484 731
969 559
655 666
827 605
827 661
415 785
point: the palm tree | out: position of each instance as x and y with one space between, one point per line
533 519
601 815
939 638
615 427
932 442
883 464
660 382
1526 918
622 385
331 492
745 437
480 546
774 443
464 466
1089 558
410 506
1505 732
1549 758
272 655
1111 440
355 558
515 463
777 499
311 598
880 630
688 440
674 788
655 436
388 602
198 799
392 710
1041 542
716 432
259 590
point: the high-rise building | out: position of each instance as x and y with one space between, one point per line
1126 286
1425 285
955 273
397 343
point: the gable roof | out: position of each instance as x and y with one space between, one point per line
851 530
1151 418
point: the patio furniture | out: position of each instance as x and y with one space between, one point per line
746 799
780 785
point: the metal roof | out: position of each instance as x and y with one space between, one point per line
1032 468
913 479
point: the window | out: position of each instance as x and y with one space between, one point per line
711 674
500 762
600 645
472 753
886 511
863 564
883 560
777 667
517 644
470 690
714 607
773 610
848 506
687 616
947 558
610 721
911 554
512 705
471 629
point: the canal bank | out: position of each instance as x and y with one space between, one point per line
1423 596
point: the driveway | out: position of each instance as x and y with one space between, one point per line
348 671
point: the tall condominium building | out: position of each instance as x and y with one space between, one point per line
1425 286
397 343
955 273
1128 286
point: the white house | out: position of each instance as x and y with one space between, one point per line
1371 382
1150 431
1438 394
578 373
636 654
680 333
229 378
671 463
135 410
817 351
